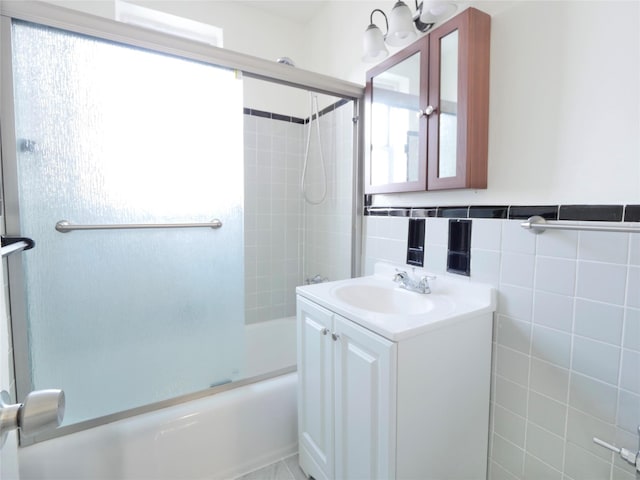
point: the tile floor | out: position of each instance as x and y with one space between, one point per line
285 469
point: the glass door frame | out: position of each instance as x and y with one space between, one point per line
253 67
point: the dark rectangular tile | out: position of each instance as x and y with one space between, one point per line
488 211
594 213
548 212
298 120
284 118
399 212
453 212
424 212
260 113
632 213
377 212
246 111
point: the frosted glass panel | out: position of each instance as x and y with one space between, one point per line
112 134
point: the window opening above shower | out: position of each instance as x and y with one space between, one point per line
167 23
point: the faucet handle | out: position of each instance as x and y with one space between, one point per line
401 275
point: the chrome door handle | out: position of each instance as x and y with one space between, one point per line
41 410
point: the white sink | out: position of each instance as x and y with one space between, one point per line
376 302
384 299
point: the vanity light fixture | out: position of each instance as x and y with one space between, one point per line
402 25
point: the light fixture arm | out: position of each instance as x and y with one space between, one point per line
386 21
420 25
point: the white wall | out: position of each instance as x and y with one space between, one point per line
564 110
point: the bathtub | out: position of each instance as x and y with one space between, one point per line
219 436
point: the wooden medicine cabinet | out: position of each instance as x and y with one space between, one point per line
427 111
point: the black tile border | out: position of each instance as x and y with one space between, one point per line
588 213
602 213
286 118
632 213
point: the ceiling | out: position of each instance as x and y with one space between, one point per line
299 11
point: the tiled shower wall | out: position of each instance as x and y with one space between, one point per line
327 227
273 151
287 239
566 352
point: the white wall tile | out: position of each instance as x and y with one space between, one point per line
603 247
437 231
512 365
555 275
514 334
628 408
596 359
545 445
497 472
632 329
581 429
582 465
549 380
515 302
630 372
633 287
553 310
620 474
559 243
634 250
486 234
551 345
547 413
600 321
509 425
517 269
509 456
511 395
603 282
435 258
535 469
485 266
593 397
516 239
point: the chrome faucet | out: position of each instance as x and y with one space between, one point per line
408 283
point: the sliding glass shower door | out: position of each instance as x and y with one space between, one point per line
113 136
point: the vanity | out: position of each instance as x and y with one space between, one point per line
394 384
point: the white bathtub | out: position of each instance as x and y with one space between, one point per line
217 437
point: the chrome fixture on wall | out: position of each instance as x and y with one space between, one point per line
402 25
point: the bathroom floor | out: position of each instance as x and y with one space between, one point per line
285 469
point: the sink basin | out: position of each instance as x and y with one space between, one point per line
377 303
384 299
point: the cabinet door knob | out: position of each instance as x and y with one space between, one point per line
429 110
325 331
335 336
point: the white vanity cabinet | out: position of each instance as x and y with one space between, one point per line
346 397
409 407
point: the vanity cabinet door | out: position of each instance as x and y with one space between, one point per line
315 390
346 398
459 96
365 403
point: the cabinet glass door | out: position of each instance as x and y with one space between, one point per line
396 131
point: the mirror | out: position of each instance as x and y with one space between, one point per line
395 103
448 112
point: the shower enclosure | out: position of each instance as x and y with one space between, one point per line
167 215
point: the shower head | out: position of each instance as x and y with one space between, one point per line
286 61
